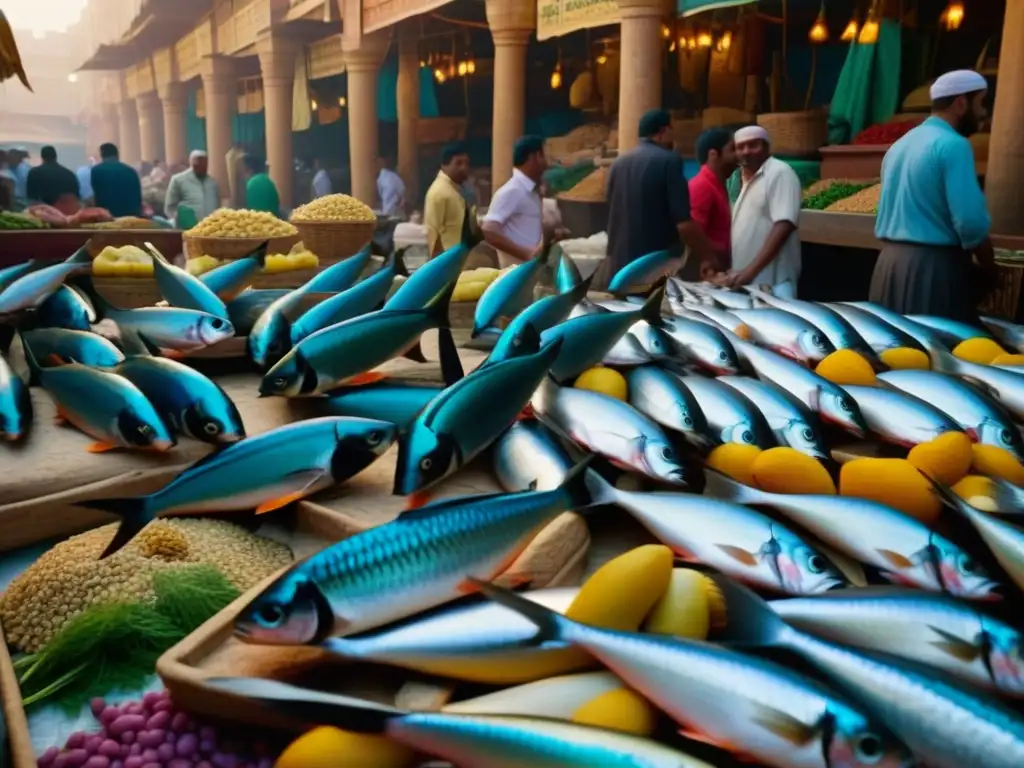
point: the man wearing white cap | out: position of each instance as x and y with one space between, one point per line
193 189
932 214
765 243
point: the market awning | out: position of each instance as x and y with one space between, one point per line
690 7
110 57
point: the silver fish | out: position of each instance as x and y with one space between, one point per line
628 351
732 417
1004 385
786 333
983 419
922 334
749 705
898 417
724 298
610 428
875 331
719 317
660 396
791 422
932 629
703 344
904 549
655 344
1004 539
945 724
528 456
33 288
838 330
731 538
952 332
1009 334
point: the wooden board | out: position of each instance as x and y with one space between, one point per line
132 292
17 246
857 230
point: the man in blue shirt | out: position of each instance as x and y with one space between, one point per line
116 186
932 214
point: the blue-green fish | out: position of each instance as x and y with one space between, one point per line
1010 335
340 276
9 274
468 416
79 346
189 402
105 406
229 280
539 316
270 337
67 308
264 472
640 274
466 740
185 290
15 404
509 294
33 288
879 334
397 403
661 397
792 422
422 559
365 296
589 337
431 280
347 353
567 274
245 309
951 332
922 334
529 457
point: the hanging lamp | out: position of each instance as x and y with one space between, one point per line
819 30
953 16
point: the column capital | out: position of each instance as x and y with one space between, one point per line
126 107
511 16
370 53
511 37
217 71
277 55
632 9
172 94
147 101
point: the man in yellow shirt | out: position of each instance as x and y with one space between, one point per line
445 208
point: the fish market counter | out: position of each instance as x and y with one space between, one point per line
17 246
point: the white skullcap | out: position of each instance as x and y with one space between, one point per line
750 133
196 153
957 83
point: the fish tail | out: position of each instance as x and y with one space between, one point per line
577 485
580 290
398 262
651 310
81 256
155 253
311 706
34 368
100 304
438 309
150 347
721 486
134 513
451 364
551 626
748 620
600 490
260 254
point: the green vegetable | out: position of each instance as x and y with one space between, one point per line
116 645
833 194
10 220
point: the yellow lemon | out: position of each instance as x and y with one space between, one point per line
685 608
906 359
1014 360
326 747
946 458
622 591
997 462
844 366
975 486
619 709
743 331
786 470
603 380
894 482
981 350
735 460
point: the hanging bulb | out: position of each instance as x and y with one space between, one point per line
704 39
463 68
691 43
313 105
850 33
953 16
471 66
672 47
726 41
451 70
556 79
602 59
665 31
819 30
868 33
341 101
439 75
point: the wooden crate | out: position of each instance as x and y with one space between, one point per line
133 292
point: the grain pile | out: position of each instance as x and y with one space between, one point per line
591 189
334 208
225 222
865 201
822 184
589 137
70 577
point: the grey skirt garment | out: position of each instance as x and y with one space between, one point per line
926 280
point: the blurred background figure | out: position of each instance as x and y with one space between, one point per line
236 175
445 207
193 189
260 190
84 175
390 189
53 184
115 185
321 179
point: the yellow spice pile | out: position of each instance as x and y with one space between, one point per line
865 201
225 222
590 189
70 577
334 208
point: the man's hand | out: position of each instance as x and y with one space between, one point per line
560 233
708 270
741 278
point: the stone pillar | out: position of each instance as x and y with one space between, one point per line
128 122
151 126
363 66
639 65
108 129
174 99
408 104
219 89
511 22
277 64
1003 185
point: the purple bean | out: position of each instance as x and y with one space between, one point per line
204 764
128 737
150 756
133 762
152 738
97 761
178 722
152 698
116 764
47 758
187 745
126 723
179 762
170 737
76 740
158 720
75 757
152 765
224 760
208 733
110 748
164 705
92 743
109 714
206 746
60 761
135 749
97 706
165 751
133 709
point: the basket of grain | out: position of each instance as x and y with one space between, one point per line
796 134
334 226
230 234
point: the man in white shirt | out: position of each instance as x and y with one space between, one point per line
84 174
193 189
321 181
514 225
765 242
390 189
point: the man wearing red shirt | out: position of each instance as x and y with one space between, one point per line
709 201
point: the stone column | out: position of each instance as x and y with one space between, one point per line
219 88
174 99
408 104
511 22
1003 185
151 126
128 122
639 66
363 66
108 129
277 64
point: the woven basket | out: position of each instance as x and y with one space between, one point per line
234 247
333 241
1004 299
796 134
714 117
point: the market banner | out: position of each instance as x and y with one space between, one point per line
560 17
690 7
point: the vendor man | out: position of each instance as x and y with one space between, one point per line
514 225
932 214
445 208
193 188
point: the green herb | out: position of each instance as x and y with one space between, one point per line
833 194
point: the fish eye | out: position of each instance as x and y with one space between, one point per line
1006 437
211 428
217 323
966 565
816 563
144 429
279 382
868 748
687 421
845 405
667 454
807 434
373 438
747 436
426 463
270 615
723 356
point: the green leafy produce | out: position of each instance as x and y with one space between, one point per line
819 201
116 645
12 220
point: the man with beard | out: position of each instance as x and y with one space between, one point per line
932 214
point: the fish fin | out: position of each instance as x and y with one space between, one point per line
34 369
651 309
56 360
550 625
100 447
149 346
416 354
785 726
451 364
815 399
398 262
132 345
82 256
417 499
260 254
600 490
362 379
272 504
846 565
526 414
901 562
577 485
954 646
748 619
134 512
173 354
721 486
437 310
155 253
581 289
59 420
739 554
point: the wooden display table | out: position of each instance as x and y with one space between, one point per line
17 246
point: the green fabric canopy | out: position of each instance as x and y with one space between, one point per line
869 86
690 7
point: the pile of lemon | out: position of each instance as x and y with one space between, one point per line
298 258
126 261
473 282
226 222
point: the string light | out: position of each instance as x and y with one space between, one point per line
726 41
953 16
556 79
463 69
869 32
819 30
704 39
470 67
439 75
850 32
341 101
313 105
665 31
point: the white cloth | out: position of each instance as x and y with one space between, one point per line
201 195
517 209
321 183
750 133
195 154
957 83
84 176
771 196
391 191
